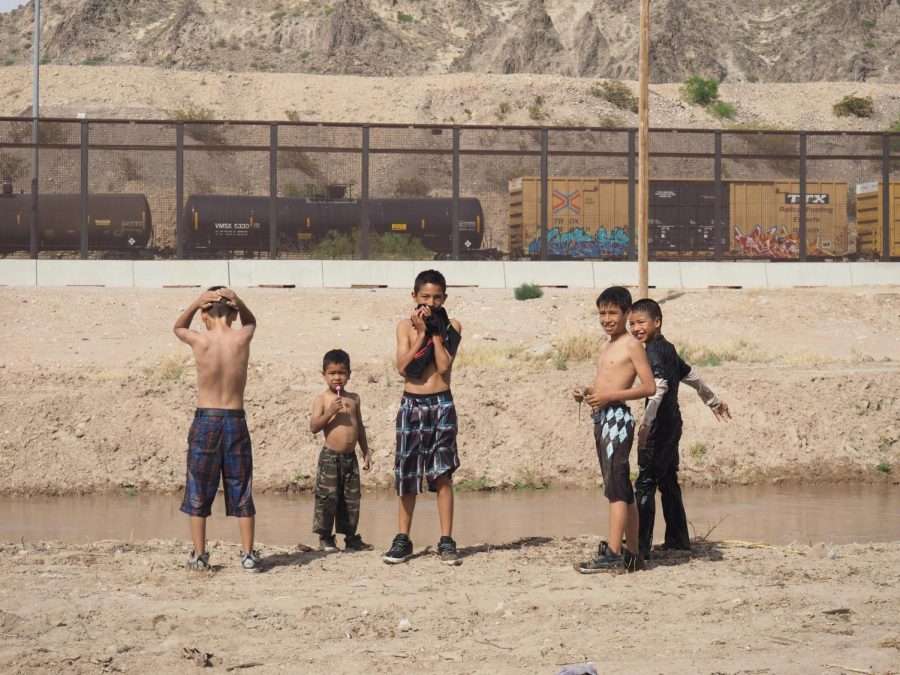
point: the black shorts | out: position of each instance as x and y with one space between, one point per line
614 434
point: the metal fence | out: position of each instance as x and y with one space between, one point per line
203 189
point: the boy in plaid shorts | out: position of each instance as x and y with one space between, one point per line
219 442
426 422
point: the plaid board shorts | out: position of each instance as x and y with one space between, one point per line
426 441
219 445
613 435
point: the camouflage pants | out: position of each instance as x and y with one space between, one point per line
337 493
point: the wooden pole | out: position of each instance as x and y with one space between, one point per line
643 201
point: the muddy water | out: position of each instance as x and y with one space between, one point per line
774 514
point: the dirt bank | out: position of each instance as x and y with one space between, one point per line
97 393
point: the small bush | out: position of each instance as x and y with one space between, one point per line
478 484
869 44
616 92
611 122
208 134
527 479
504 108
854 106
528 292
412 187
723 110
10 166
290 159
577 347
128 168
700 91
884 467
559 361
94 61
292 115
536 110
171 367
869 23
698 450
304 54
752 79
404 18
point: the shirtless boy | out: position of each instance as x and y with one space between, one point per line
337 413
426 422
621 358
219 442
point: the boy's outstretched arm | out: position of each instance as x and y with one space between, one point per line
717 405
182 327
362 439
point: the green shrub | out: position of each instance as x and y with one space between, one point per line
611 122
404 18
412 187
869 23
535 110
700 91
752 79
884 467
698 450
723 110
528 292
209 134
616 92
10 166
854 106
478 484
388 246
292 114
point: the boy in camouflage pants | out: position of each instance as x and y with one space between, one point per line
337 413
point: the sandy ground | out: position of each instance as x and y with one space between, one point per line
510 607
97 393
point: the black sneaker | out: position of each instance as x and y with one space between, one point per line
447 550
199 563
606 561
327 543
356 543
400 551
633 563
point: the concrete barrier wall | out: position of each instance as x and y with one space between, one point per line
400 274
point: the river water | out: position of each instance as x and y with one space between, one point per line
766 513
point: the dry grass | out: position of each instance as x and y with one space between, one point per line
578 346
497 357
170 367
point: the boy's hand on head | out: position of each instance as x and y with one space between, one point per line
722 413
230 297
207 298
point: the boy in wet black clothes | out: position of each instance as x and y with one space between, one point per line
660 432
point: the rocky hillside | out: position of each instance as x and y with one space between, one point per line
731 40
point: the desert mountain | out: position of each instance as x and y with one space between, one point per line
731 40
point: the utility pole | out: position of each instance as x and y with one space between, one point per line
643 201
35 113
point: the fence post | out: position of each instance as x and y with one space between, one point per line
179 190
886 197
364 196
803 197
632 190
718 231
273 191
545 142
33 236
454 209
84 190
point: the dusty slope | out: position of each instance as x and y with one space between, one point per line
511 607
464 98
95 396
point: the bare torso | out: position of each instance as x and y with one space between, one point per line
221 355
615 370
432 381
342 430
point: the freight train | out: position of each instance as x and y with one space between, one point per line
220 225
588 218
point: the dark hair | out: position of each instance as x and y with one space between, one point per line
430 277
649 307
220 307
337 357
615 295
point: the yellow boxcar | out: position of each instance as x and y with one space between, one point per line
869 219
586 216
765 218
